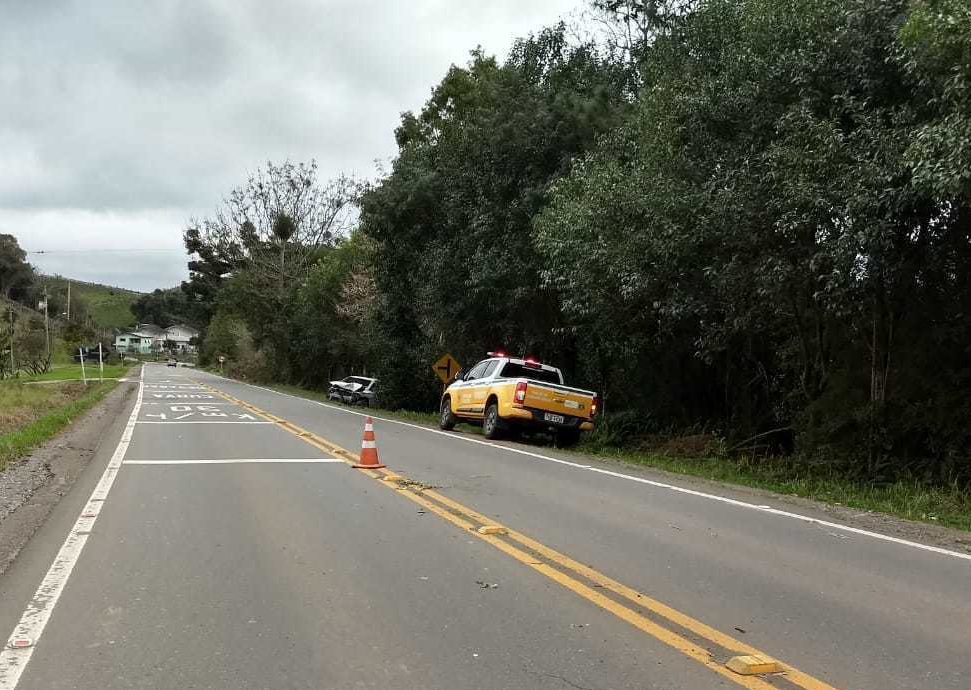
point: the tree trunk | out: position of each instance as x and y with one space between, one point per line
881 345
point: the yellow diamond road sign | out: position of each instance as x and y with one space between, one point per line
446 367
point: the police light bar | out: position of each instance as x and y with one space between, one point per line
498 353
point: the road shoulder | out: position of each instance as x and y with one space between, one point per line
32 487
869 520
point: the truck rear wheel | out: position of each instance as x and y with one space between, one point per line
446 420
491 424
567 438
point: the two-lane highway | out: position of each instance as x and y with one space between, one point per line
223 541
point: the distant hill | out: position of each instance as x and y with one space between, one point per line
110 307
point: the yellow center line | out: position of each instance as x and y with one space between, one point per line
463 517
639 598
672 639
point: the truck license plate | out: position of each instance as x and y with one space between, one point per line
555 418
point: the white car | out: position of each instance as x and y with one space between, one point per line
353 390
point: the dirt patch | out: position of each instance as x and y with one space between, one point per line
694 446
32 486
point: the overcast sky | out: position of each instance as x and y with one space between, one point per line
123 119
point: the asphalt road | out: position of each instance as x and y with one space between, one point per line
211 545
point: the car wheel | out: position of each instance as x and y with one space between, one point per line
446 420
491 423
567 438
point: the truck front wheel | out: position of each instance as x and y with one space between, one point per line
491 423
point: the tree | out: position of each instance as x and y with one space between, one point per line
32 348
16 275
275 224
769 253
259 247
936 43
454 265
630 26
163 308
329 341
750 218
222 338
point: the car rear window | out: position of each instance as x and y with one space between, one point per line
519 371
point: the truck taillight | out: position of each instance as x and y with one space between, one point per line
595 405
520 395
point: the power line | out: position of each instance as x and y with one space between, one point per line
102 251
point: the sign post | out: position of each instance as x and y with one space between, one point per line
101 365
446 367
83 375
222 358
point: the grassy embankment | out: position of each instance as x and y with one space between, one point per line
110 307
72 372
31 414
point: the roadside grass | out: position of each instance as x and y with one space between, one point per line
949 506
942 505
72 372
30 415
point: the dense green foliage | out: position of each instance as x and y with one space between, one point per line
453 259
163 308
769 260
16 275
748 218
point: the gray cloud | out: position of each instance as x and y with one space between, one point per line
148 113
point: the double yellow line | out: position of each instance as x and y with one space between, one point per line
687 635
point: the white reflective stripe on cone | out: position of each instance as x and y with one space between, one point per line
368 444
369 427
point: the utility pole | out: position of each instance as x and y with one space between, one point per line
47 326
13 366
69 301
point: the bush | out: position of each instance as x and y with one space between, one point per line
623 429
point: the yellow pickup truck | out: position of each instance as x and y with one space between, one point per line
505 394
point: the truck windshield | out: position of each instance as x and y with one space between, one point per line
519 371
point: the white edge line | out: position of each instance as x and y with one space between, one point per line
641 480
239 461
13 661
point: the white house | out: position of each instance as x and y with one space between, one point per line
149 338
150 329
181 336
134 343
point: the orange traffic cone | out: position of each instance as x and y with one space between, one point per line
369 449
